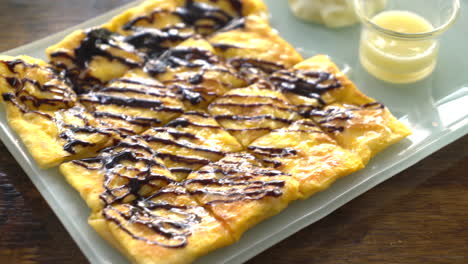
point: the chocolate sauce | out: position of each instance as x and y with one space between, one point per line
202 17
155 41
139 121
196 79
72 143
185 144
256 67
183 122
179 122
110 162
121 101
373 106
184 159
273 152
96 43
180 57
310 84
7 97
194 12
139 81
70 136
331 114
235 179
328 117
259 97
151 92
224 47
155 44
249 129
90 47
60 95
174 225
176 134
237 6
11 98
13 82
182 170
71 132
249 118
234 24
197 113
119 94
187 94
253 105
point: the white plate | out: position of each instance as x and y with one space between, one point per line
435 109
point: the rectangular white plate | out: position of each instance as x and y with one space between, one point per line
435 109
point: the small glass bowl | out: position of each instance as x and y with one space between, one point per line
399 57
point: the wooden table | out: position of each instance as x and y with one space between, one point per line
418 216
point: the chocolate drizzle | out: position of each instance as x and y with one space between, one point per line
71 132
310 84
224 47
180 57
239 111
184 122
249 64
331 117
190 87
98 42
173 222
117 100
134 164
156 41
251 69
72 141
55 93
123 181
181 133
236 178
204 18
153 48
196 14
187 145
273 152
126 93
94 45
250 118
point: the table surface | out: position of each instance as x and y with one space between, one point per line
418 216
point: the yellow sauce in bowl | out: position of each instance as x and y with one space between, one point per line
398 60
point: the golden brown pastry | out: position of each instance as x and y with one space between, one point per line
42 109
35 83
94 56
255 48
308 154
363 129
251 112
183 123
118 174
169 227
357 122
242 192
196 72
98 55
190 142
133 103
189 17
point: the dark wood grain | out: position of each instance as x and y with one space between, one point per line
418 216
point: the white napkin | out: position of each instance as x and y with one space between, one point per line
332 13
